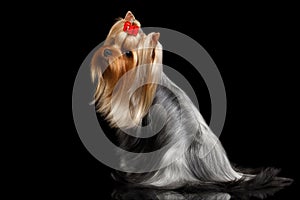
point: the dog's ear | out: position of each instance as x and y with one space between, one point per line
129 16
155 37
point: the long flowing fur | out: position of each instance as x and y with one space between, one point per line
137 60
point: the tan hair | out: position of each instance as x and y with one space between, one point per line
123 74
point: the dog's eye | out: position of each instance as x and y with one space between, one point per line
128 53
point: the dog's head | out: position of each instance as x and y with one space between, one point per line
128 60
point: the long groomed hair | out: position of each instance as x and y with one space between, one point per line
112 88
130 79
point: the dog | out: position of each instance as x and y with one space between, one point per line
130 82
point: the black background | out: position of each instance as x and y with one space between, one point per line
252 46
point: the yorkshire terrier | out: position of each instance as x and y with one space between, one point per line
192 155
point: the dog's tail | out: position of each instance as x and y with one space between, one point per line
210 165
262 184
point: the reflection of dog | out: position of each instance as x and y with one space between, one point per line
129 193
194 155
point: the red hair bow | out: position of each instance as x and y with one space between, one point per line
130 29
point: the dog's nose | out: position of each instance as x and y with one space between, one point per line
107 52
